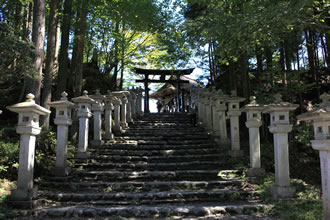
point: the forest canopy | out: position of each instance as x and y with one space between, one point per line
257 47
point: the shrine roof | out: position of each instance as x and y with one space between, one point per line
164 72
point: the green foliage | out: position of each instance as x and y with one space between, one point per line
45 151
5 187
307 205
16 61
9 148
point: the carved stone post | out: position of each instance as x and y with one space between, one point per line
129 117
280 127
84 113
220 117
123 108
320 117
234 113
134 103
63 121
117 126
97 109
139 102
253 122
109 107
28 127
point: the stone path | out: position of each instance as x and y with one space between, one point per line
162 167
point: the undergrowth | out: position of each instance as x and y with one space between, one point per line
307 205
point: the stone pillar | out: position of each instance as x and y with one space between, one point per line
207 111
139 111
280 127
134 103
97 109
123 108
234 113
117 126
63 121
28 127
220 118
253 122
108 117
128 106
84 113
320 117
199 106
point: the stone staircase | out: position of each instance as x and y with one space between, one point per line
161 167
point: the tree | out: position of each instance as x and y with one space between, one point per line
50 60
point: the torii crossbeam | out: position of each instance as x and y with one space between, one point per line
162 74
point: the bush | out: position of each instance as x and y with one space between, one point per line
9 150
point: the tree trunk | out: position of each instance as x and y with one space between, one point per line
78 50
33 85
259 62
63 58
27 21
244 74
116 61
50 60
269 63
311 58
327 37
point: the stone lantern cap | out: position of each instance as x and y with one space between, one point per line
322 112
220 95
234 98
84 99
98 96
253 106
279 105
63 102
29 106
121 95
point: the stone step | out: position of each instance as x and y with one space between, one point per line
140 186
163 153
133 145
150 166
144 198
123 175
157 141
207 211
168 158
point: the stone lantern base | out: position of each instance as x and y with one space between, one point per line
236 153
82 155
282 192
97 143
61 171
256 172
25 199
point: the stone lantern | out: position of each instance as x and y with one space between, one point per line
123 108
63 121
234 113
84 113
28 127
129 106
219 120
280 126
253 122
320 117
134 103
208 108
97 109
139 102
116 103
108 117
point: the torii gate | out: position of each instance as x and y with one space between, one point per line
162 74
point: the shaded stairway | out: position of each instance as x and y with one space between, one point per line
161 167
